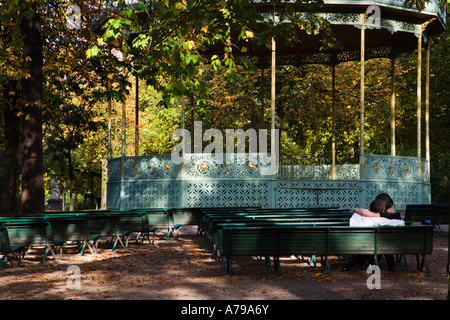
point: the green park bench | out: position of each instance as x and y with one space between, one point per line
279 241
7 250
158 221
186 217
210 220
144 221
100 225
24 234
105 226
117 225
193 215
65 227
303 216
211 225
136 221
313 213
216 238
74 229
431 214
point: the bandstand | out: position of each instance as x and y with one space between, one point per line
390 28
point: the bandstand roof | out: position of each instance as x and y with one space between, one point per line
397 32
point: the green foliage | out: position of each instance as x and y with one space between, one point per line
167 40
167 44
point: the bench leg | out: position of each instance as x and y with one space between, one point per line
95 244
125 238
176 231
82 246
224 263
438 229
268 262
229 266
3 260
326 265
8 257
20 256
93 250
117 240
420 266
217 254
404 260
45 255
173 232
144 234
277 266
47 249
114 245
313 259
426 264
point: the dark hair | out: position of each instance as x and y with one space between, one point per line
387 200
378 205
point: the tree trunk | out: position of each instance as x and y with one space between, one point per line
71 177
10 176
448 261
31 104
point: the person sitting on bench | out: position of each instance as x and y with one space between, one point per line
381 207
377 211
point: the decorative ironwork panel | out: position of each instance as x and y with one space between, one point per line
226 166
150 167
304 172
150 194
155 181
382 167
304 168
402 193
317 194
114 169
318 172
113 195
348 172
227 193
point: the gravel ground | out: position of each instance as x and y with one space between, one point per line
184 269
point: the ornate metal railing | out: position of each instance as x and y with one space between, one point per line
246 180
379 167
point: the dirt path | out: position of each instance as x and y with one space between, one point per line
185 270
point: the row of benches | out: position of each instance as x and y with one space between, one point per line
53 230
319 232
229 231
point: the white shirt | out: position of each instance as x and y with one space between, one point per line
358 220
